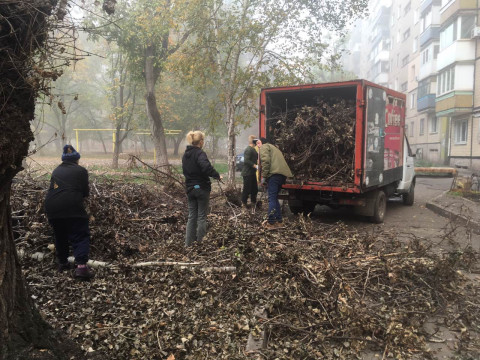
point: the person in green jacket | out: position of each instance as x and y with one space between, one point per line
274 172
249 173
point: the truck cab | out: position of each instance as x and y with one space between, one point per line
406 187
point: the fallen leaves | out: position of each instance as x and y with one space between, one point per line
328 290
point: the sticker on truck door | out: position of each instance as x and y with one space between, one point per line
375 136
385 120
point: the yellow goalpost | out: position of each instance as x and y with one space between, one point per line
143 132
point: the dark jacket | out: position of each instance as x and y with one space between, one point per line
68 187
250 157
197 169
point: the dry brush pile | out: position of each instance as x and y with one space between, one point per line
319 141
328 291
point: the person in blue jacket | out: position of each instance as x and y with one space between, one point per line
65 209
197 170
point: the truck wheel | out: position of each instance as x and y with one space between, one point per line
305 208
308 207
379 207
409 197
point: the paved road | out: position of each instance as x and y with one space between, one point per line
408 221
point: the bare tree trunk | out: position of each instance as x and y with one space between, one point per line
176 144
158 132
144 143
103 143
231 146
116 154
215 140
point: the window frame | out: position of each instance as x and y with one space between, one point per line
460 130
433 120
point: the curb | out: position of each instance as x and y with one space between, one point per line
445 212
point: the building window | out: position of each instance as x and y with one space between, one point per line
422 127
415 44
413 100
425 56
423 88
404 86
406 35
461 131
433 125
467 25
407 8
454 32
411 128
436 49
416 16
405 60
413 73
446 81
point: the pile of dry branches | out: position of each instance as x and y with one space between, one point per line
319 141
329 291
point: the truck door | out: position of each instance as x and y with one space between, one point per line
374 136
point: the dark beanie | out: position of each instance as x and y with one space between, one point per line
263 140
70 154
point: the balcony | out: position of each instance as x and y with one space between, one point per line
453 6
382 16
426 102
383 55
460 50
426 4
429 34
454 103
381 35
381 78
427 69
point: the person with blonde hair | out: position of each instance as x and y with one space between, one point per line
249 173
197 170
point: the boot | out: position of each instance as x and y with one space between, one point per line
83 273
64 267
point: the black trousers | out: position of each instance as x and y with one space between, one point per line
73 231
250 188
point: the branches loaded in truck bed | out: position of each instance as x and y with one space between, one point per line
318 142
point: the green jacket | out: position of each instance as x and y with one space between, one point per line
273 162
250 156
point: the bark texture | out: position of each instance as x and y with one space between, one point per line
152 74
23 28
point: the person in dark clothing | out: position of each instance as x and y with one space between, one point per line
198 171
66 212
249 173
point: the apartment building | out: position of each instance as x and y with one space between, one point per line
405 59
378 42
456 81
434 58
429 139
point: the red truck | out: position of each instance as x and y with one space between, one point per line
383 161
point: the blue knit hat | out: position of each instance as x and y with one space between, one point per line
70 154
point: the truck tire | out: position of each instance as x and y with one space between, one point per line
306 208
379 207
409 197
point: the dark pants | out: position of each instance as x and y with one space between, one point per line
274 183
76 232
198 200
250 188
